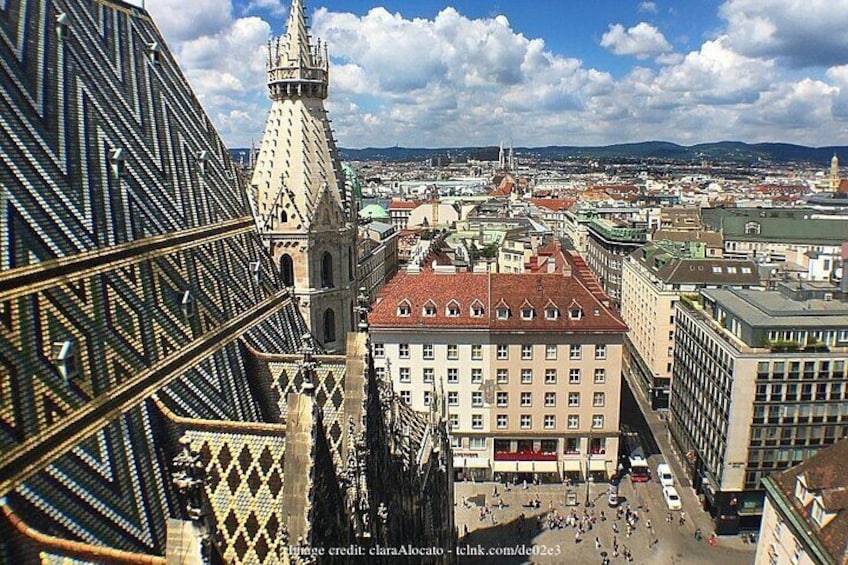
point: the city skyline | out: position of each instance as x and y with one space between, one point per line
613 72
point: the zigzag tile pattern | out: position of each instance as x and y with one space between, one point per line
102 142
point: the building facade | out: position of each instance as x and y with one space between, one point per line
652 280
304 210
805 520
759 385
607 244
529 367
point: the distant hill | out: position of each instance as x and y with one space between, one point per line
734 151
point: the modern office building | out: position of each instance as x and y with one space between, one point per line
805 520
652 280
759 385
608 242
529 366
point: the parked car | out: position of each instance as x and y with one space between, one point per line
664 475
672 499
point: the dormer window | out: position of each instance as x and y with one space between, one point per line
404 309
187 305
596 311
752 228
429 309
477 310
552 313
575 313
527 313
452 309
817 512
64 356
801 490
503 313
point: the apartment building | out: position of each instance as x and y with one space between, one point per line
805 520
652 280
608 243
528 365
759 385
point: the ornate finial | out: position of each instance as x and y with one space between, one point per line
189 478
307 363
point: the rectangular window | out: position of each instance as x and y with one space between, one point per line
453 375
550 399
526 376
526 351
404 395
476 421
477 443
573 399
427 351
403 350
550 376
503 351
573 421
598 399
526 399
502 421
550 352
600 376
379 350
597 421
454 421
503 376
428 374
550 421
453 352
502 399
477 399
574 351
574 376
404 375
428 398
476 352
380 372
526 421
572 446
453 398
477 375
600 351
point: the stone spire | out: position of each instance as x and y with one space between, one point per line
834 173
304 210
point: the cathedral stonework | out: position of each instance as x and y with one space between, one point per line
305 214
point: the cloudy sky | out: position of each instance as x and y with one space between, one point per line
443 73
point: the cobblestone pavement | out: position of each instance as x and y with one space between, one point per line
675 543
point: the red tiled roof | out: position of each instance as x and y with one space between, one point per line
397 204
555 204
491 289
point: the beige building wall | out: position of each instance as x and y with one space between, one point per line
473 399
776 543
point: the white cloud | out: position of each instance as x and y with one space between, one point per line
650 7
808 33
274 7
452 80
642 40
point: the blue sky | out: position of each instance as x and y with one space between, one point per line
539 72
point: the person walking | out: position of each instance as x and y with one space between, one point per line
598 543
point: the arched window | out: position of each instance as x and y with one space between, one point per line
327 270
287 270
349 264
329 326
284 217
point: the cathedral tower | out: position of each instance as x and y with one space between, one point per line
303 210
834 180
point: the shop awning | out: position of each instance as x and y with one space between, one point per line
597 465
471 462
571 465
525 467
545 466
505 466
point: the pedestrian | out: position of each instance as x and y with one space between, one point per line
668 518
493 519
597 543
603 516
648 525
495 491
465 530
577 536
500 503
615 527
524 484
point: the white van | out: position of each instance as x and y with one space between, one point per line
664 475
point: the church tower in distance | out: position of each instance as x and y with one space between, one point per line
304 213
